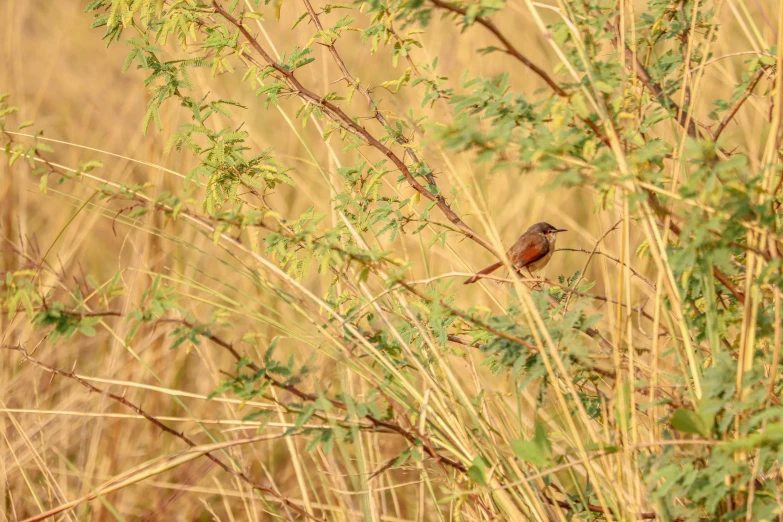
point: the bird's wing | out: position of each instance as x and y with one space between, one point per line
528 249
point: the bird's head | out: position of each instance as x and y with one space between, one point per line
545 228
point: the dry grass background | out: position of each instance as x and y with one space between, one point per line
58 441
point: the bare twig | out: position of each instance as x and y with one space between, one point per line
616 260
122 400
745 95
509 47
589 258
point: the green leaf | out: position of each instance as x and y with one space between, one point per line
541 438
529 451
87 330
225 385
538 451
256 414
478 471
688 421
305 415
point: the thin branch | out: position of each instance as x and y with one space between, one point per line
80 314
719 275
745 95
105 313
467 317
510 49
164 427
682 115
366 93
590 258
616 260
348 123
548 282
591 332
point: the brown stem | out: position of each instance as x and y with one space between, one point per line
73 313
349 124
683 118
467 317
719 275
645 515
162 426
730 116
366 93
510 49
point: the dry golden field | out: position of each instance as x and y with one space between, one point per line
62 442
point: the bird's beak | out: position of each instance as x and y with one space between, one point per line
560 230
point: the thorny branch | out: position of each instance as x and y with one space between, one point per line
366 93
345 121
509 47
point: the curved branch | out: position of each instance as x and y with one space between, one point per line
366 93
745 95
719 275
349 124
510 49
513 51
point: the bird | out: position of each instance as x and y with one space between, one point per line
531 251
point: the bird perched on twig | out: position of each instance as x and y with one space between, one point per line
531 251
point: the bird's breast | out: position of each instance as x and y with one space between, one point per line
541 263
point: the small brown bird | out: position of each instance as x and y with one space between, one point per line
531 251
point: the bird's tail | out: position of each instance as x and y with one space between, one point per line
488 270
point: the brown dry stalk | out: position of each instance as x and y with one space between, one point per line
125 402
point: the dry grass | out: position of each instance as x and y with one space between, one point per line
61 443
